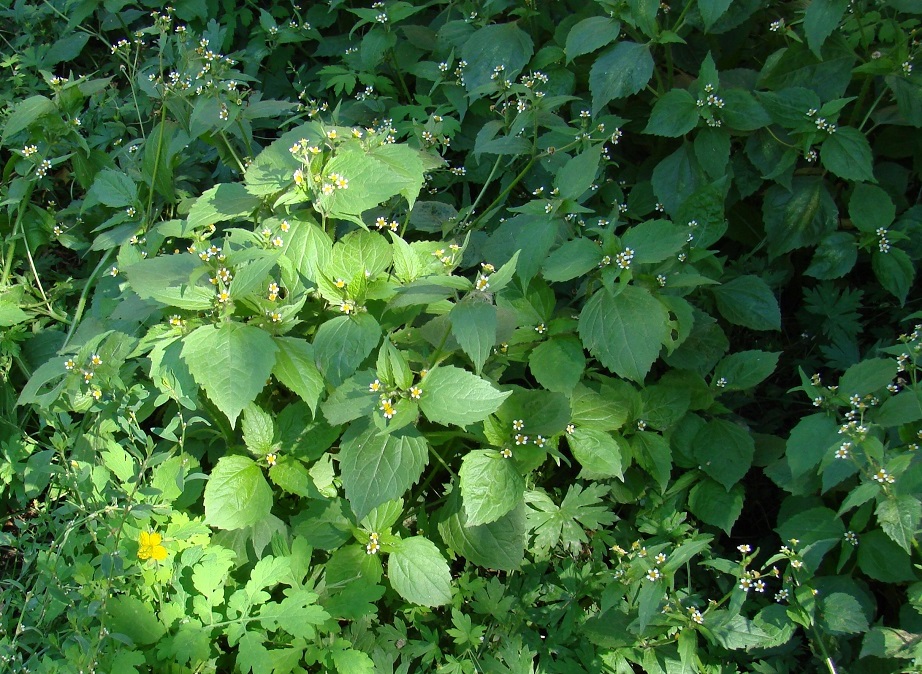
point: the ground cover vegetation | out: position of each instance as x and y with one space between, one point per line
478 336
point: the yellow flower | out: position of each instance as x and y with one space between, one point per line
149 546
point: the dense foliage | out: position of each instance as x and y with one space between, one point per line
479 336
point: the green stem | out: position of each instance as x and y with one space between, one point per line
483 190
505 193
230 149
153 180
81 304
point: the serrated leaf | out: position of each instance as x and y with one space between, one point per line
903 408
745 369
724 450
574 258
711 11
491 486
590 34
473 324
748 301
625 331
868 376
497 545
295 368
820 20
558 363
454 396
870 207
220 203
342 343
847 153
597 452
499 44
378 467
258 430
577 175
618 72
237 495
231 362
711 503
419 573
674 114
895 271
899 517
167 279
113 188
26 112
654 240
799 217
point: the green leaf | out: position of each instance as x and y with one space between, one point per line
742 111
899 517
419 573
499 44
231 362
359 251
748 301
711 503
654 240
663 405
542 412
745 369
577 175
497 545
558 363
454 396
847 153
133 618
809 442
222 202
378 467
113 188
473 324
351 661
625 331
799 217
26 112
590 34
618 72
258 430
404 161
834 257
10 314
712 150
295 368
297 614
597 452
724 450
882 559
818 530
711 11
820 20
868 376
491 486
351 400
342 343
167 279
903 408
895 271
908 94
870 207
574 258
653 454
674 114
237 495
677 177
604 412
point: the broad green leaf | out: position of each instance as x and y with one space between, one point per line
799 217
223 202
618 72
499 44
357 252
497 545
591 34
558 363
711 503
11 314
168 280
748 301
113 188
818 530
788 106
903 408
309 249
351 661
378 467
834 257
674 114
899 517
491 486
625 331
677 177
663 405
454 396
419 572
888 642
653 454
870 207
405 162
473 324
231 362
601 411
742 111
847 153
574 258
810 441
712 150
541 412
711 11
342 343
352 399
597 452
295 368
654 240
745 369
841 613
258 430
895 271
735 632
868 376
724 450
908 94
371 182
25 113
882 559
237 495
577 175
297 614
820 20
133 618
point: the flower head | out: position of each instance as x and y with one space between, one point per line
149 546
